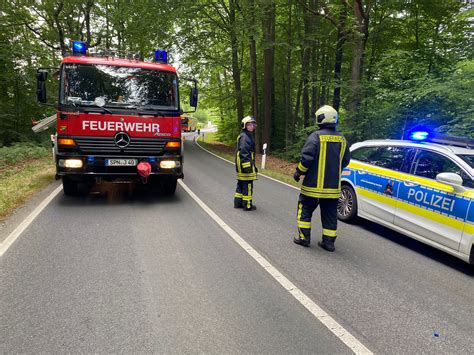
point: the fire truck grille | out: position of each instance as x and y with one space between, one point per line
106 145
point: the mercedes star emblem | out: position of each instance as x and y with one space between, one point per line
122 139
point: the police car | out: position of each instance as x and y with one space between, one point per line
422 187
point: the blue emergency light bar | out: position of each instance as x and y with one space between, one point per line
161 56
79 48
420 134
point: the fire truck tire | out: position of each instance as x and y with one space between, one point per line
168 186
70 187
76 188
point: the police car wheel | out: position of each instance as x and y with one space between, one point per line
347 206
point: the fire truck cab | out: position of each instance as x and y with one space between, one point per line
113 114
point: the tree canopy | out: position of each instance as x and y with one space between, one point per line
385 65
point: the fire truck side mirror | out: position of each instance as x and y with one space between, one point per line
193 98
41 76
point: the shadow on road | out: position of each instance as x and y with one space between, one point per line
419 247
107 193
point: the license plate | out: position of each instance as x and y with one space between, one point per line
121 162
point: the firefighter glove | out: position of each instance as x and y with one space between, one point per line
297 175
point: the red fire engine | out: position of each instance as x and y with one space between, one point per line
188 123
114 115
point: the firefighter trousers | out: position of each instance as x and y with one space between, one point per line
243 194
306 207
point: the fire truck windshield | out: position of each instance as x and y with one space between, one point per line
118 87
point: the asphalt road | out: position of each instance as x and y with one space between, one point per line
123 270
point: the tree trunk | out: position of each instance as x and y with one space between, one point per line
308 44
59 28
298 102
253 71
357 67
341 38
87 19
289 122
324 78
315 56
107 26
268 63
235 62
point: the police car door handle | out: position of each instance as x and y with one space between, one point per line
410 183
363 171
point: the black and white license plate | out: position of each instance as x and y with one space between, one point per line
121 162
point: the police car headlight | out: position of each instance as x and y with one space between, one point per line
70 163
169 164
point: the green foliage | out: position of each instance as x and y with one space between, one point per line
22 151
418 60
293 151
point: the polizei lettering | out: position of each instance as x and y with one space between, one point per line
433 200
121 126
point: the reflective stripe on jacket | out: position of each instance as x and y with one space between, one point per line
245 157
324 155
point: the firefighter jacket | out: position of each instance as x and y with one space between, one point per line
324 155
245 157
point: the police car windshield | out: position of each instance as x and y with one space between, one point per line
121 87
468 158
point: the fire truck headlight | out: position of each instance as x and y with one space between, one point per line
70 163
169 164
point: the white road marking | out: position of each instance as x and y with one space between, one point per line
355 345
259 174
27 221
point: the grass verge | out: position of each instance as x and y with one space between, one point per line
278 169
21 180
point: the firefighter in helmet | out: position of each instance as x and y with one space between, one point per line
324 155
245 165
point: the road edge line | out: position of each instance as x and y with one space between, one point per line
27 221
338 330
228 161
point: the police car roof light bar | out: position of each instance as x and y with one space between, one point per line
421 134
453 140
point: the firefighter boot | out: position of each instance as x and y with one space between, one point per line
238 200
327 243
302 242
251 208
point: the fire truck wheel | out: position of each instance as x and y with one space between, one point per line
168 185
70 187
76 188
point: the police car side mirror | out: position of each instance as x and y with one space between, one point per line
451 179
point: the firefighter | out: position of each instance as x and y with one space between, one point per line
324 155
245 165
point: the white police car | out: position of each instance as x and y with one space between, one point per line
423 188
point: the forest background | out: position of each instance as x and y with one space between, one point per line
386 65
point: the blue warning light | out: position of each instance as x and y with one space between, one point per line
419 135
161 56
79 48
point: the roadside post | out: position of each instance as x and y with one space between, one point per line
264 156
